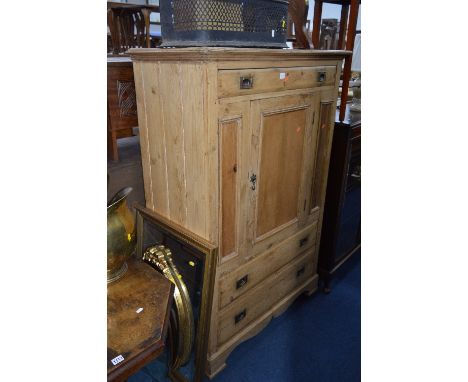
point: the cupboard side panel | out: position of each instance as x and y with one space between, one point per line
152 139
173 120
191 82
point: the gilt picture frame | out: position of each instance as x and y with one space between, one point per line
154 229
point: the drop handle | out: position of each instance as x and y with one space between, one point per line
246 82
242 281
239 317
300 272
303 241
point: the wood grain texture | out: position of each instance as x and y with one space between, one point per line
264 265
204 141
138 337
153 140
215 54
239 112
229 132
178 158
211 151
325 114
144 132
276 79
174 119
192 107
282 141
278 211
262 297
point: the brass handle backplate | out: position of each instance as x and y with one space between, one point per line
242 281
246 82
239 317
322 76
300 271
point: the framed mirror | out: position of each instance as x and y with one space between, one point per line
189 262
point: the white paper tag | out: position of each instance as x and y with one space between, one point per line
139 310
272 33
117 360
282 76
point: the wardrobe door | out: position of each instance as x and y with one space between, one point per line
282 137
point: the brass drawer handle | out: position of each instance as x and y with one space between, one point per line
246 82
239 317
303 241
300 272
322 76
242 281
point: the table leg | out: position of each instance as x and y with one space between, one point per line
146 14
316 24
343 26
347 65
112 150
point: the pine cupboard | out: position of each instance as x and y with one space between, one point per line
235 147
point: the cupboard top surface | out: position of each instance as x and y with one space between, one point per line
233 54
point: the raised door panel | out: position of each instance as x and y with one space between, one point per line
232 130
281 141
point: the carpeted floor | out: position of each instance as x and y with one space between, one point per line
318 339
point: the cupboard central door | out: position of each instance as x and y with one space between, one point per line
282 131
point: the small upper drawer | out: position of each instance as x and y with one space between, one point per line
252 273
250 81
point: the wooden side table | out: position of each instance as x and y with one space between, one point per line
138 309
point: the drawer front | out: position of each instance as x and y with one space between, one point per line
247 276
252 305
250 81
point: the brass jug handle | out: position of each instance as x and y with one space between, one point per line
119 196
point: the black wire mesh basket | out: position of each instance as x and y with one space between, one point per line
240 23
